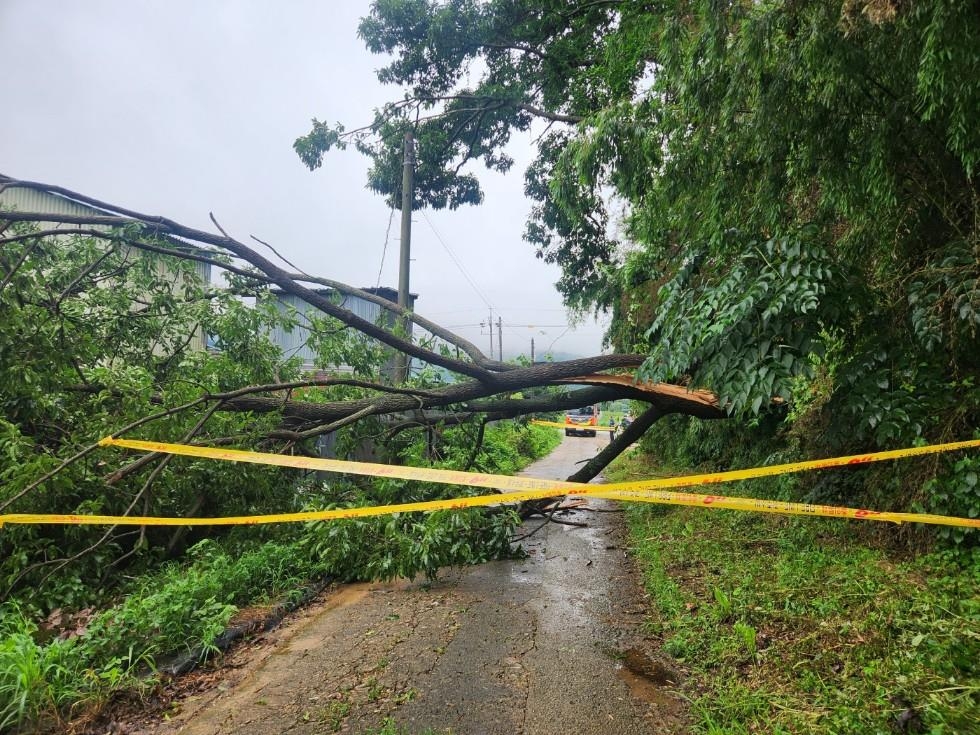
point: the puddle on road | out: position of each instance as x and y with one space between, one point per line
647 679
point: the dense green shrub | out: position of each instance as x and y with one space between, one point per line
186 605
407 544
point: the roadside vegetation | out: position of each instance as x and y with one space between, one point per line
776 204
70 663
89 611
805 625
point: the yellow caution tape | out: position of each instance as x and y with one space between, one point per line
316 515
758 505
521 488
559 425
371 469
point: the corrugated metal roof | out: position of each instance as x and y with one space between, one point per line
31 200
24 199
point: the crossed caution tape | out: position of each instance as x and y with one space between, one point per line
516 489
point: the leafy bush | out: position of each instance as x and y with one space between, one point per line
747 329
184 606
78 361
408 544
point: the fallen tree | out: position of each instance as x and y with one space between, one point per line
102 307
487 379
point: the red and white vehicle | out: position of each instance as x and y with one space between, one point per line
581 421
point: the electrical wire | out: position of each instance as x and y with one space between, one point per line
384 250
456 260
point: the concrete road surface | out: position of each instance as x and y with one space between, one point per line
552 643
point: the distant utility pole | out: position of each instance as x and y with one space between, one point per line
500 339
408 187
489 323
532 350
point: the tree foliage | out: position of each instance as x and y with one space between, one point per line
793 185
96 337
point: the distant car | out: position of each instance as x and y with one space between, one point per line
581 421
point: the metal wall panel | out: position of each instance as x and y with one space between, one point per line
29 200
293 343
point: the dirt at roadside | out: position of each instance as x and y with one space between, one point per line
552 643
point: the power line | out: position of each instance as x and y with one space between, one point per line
456 260
556 339
384 250
540 326
515 328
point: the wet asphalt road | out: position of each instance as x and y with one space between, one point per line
533 646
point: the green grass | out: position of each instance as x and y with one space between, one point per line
390 727
795 626
35 681
179 608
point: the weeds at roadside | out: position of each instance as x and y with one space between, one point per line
788 626
177 609
390 727
406 696
335 713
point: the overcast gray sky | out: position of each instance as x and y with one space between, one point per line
182 107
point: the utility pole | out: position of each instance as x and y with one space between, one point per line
490 324
500 339
532 350
408 187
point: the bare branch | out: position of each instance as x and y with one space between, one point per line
279 255
552 116
325 428
484 394
477 446
518 379
452 338
616 447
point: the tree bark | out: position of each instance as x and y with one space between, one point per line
489 380
630 434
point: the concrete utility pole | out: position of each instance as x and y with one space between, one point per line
500 339
404 300
532 350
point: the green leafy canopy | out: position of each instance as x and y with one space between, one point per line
774 200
